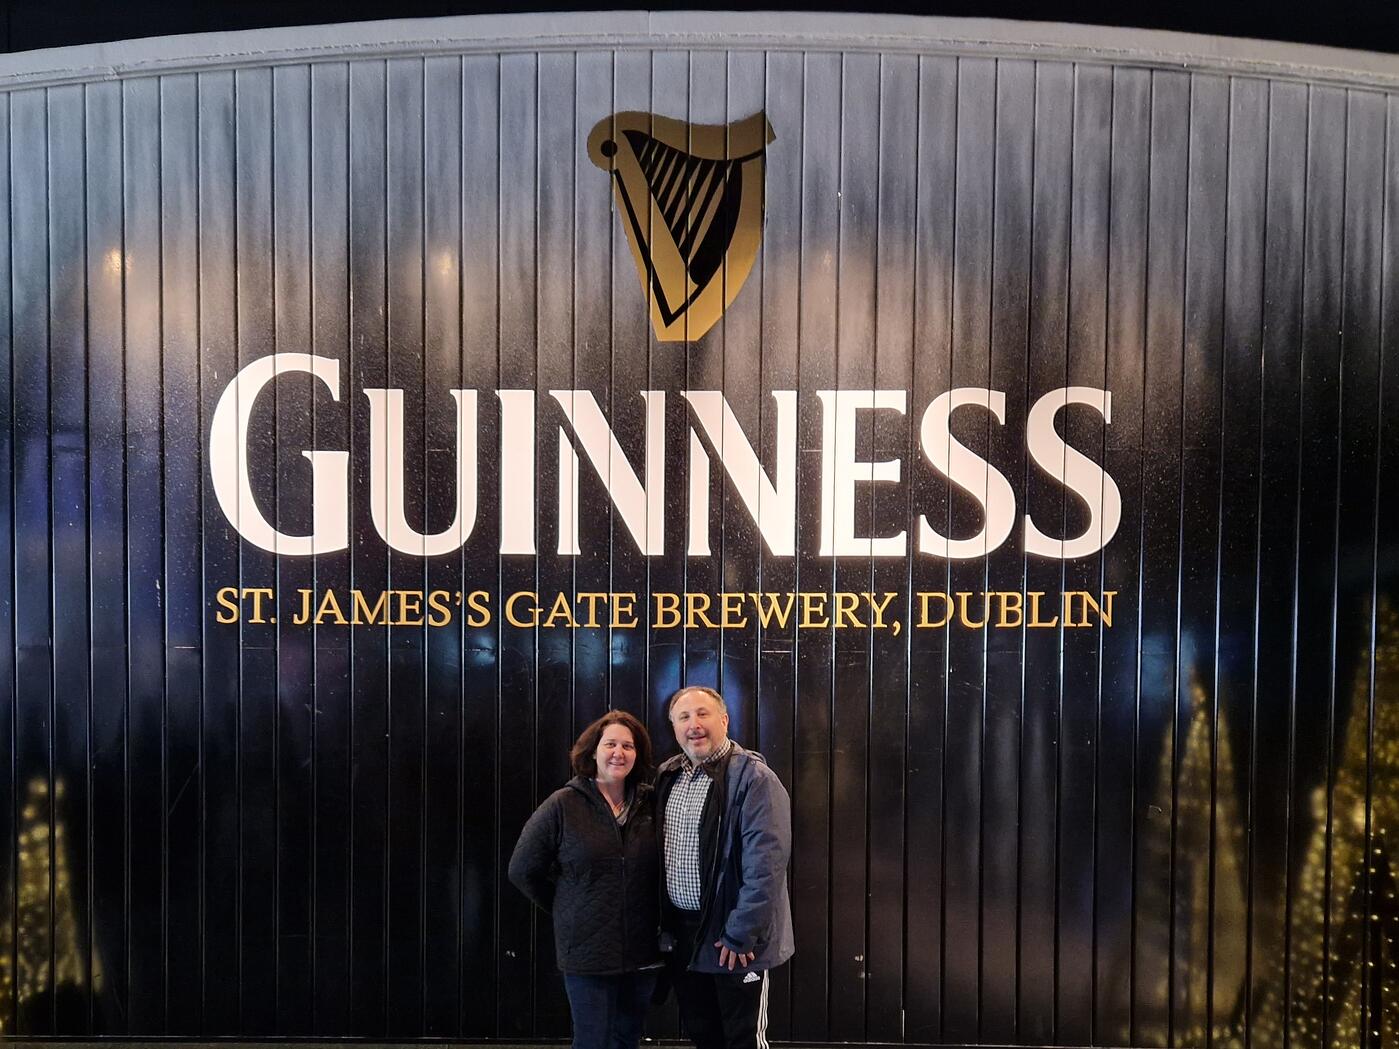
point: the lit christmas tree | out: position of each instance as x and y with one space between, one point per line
1207 900
41 958
1336 985
7 971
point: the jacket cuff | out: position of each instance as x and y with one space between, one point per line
733 945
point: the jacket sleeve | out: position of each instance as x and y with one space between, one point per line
765 820
534 863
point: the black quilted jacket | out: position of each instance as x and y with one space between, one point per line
600 881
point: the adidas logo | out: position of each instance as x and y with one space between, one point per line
752 977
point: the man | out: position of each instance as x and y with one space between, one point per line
726 835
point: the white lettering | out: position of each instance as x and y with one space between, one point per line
386 480
516 471
840 471
228 462
773 506
699 497
642 508
968 471
1071 468
640 497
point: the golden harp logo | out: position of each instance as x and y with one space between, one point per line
691 198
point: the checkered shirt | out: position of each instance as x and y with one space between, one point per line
683 813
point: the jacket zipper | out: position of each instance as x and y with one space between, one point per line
622 842
619 830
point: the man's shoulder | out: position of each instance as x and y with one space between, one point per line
749 765
747 754
670 765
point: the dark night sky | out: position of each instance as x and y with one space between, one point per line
1368 24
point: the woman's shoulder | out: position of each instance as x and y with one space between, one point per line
570 793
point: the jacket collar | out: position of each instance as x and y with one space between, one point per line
712 764
588 788
679 763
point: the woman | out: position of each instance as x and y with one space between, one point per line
588 855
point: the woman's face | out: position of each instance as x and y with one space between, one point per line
616 754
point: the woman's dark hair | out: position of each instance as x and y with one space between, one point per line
584 754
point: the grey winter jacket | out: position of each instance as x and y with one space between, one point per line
598 879
745 900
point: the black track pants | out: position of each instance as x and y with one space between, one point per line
724 1010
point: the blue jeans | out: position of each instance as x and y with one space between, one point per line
608 1011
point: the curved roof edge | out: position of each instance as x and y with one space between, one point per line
698 30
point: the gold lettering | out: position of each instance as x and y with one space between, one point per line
767 613
439 611
878 607
1104 610
257 593
371 616
962 596
1007 608
622 605
534 608
924 598
813 604
667 610
696 605
410 608
591 598
330 605
560 610
1035 620
731 609
227 598
846 604
476 601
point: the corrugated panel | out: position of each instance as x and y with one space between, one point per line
1156 831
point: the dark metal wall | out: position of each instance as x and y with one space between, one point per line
1169 830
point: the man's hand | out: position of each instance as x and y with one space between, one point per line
728 957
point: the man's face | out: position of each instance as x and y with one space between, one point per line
701 725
